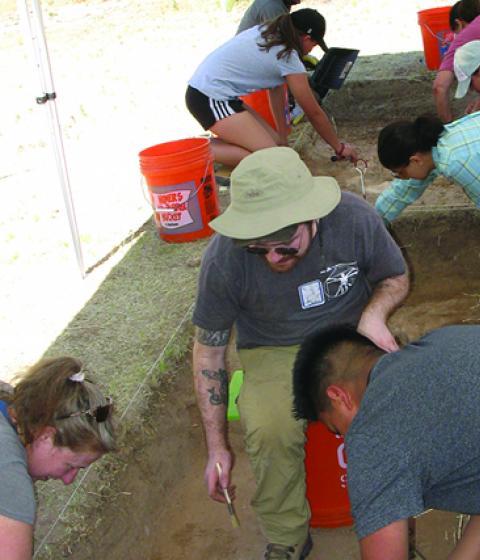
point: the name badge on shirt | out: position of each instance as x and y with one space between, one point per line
311 294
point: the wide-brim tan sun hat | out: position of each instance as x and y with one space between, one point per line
272 189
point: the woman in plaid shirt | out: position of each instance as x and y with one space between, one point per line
419 151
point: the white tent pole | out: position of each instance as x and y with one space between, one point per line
35 30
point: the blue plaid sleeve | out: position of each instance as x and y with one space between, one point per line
458 154
466 173
400 194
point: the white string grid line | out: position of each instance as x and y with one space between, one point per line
139 388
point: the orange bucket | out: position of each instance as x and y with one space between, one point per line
259 101
326 475
436 34
182 189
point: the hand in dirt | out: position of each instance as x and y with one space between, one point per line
377 331
216 484
350 153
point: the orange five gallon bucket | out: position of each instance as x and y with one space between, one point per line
182 189
259 101
326 472
436 34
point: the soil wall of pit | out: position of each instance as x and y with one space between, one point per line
444 257
388 87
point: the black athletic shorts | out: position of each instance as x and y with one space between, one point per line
207 110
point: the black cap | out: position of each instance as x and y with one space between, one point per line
310 22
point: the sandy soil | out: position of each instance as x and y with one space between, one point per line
174 519
442 193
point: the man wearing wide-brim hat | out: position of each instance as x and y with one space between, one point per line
292 254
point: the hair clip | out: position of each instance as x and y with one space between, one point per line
78 377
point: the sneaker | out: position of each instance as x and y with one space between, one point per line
222 181
282 552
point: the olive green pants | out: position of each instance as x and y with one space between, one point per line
274 441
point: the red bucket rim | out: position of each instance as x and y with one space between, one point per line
422 14
174 148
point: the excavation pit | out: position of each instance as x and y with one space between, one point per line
162 512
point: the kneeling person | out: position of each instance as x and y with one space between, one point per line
411 423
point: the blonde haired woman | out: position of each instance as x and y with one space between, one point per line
53 423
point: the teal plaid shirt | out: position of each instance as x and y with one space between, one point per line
456 156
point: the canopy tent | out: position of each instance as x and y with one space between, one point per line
31 17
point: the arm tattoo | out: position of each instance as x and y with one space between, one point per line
218 393
213 338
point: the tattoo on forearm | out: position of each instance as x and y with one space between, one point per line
218 392
213 338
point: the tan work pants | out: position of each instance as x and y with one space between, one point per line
274 441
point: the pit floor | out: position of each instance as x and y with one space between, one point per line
316 155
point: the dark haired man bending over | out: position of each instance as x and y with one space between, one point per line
411 422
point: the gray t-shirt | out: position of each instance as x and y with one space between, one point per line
17 499
240 66
261 11
280 309
414 443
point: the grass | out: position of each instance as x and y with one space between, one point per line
123 329
121 335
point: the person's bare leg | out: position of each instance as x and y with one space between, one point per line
273 133
237 136
468 548
227 154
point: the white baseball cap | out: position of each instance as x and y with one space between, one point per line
466 62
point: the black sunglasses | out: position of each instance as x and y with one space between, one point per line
279 250
100 413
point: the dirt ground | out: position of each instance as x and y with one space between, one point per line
174 518
165 515
442 193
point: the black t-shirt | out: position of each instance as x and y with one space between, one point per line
331 284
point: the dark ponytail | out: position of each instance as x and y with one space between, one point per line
281 31
398 141
468 10
454 15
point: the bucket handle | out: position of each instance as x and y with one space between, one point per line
427 27
148 201
192 195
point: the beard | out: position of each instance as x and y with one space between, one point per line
284 265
